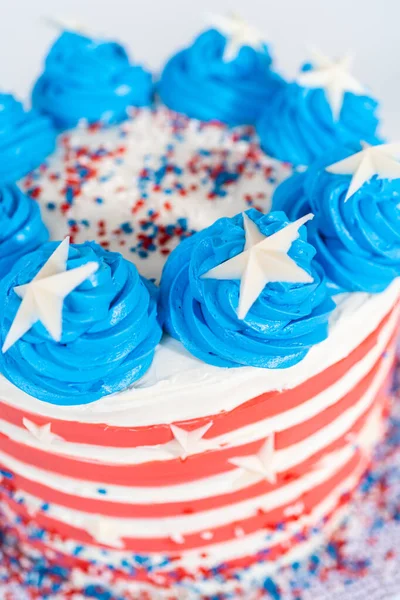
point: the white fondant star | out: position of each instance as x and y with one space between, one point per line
33 505
258 466
334 78
264 260
238 33
43 297
189 442
177 538
42 433
104 532
382 161
66 24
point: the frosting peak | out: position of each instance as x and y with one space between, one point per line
109 329
201 83
21 227
358 240
26 138
89 79
281 326
303 122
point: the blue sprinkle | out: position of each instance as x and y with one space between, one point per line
6 474
101 491
69 195
51 206
126 227
272 589
99 200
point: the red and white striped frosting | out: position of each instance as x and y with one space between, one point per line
194 501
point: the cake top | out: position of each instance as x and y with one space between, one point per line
173 183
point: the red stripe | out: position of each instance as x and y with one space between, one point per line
176 471
261 407
260 520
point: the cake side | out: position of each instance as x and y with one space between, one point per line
93 491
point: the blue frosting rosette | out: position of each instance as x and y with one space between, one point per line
26 138
282 325
90 79
299 124
198 82
357 241
109 330
21 227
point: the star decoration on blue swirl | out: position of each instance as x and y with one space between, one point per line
263 260
238 33
334 78
43 297
381 161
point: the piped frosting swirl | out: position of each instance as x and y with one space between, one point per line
90 79
21 227
278 330
299 124
109 330
358 240
26 138
198 82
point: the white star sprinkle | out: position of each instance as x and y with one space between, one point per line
264 260
257 467
238 33
382 161
104 532
189 442
334 78
294 510
42 433
43 297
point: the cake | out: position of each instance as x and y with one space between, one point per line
196 369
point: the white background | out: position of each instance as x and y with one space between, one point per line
153 29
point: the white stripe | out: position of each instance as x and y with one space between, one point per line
179 387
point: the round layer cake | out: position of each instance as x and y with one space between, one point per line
191 463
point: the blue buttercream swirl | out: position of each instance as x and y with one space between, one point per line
109 330
199 83
298 125
282 325
358 241
26 139
21 227
90 79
